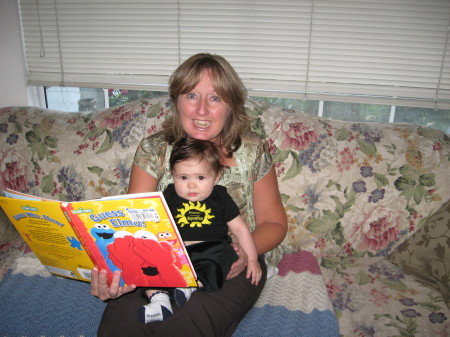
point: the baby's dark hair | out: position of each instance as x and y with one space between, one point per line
203 150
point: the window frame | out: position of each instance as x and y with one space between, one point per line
305 49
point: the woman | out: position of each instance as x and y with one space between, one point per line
208 98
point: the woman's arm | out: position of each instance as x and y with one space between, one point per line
141 181
270 217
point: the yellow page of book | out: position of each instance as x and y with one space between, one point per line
46 230
137 236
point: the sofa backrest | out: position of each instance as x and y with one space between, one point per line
348 188
353 188
74 156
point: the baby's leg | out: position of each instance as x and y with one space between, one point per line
158 308
182 295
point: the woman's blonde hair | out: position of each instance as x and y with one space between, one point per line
227 84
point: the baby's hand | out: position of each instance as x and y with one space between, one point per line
254 272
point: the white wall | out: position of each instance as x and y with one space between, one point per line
13 88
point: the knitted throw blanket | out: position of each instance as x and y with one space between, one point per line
294 302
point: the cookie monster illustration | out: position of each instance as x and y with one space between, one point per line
104 236
144 261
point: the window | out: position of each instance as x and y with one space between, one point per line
88 99
71 99
394 52
357 112
343 59
309 107
435 118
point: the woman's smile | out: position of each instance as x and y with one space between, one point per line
202 124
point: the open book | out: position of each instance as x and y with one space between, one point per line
133 233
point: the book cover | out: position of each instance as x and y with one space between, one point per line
135 234
46 230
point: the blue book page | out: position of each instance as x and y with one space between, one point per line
132 196
19 195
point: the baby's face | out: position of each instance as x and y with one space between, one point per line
193 180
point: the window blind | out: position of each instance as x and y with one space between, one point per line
392 52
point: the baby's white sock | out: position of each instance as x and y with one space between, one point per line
182 295
158 309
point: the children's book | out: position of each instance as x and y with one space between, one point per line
133 233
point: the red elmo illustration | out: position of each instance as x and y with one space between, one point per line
146 262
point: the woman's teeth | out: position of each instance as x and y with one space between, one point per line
202 124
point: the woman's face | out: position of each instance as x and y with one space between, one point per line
202 112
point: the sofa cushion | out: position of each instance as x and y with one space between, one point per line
426 255
7 231
372 297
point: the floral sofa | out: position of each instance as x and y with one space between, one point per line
368 247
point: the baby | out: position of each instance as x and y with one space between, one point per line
204 213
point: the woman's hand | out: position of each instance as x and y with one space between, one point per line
99 285
240 264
